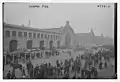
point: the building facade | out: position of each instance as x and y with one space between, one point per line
23 37
90 39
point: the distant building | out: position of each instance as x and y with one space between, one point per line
24 37
89 39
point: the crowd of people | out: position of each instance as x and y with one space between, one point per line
69 68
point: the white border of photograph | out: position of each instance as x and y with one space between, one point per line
62 1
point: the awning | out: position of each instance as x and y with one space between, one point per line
15 52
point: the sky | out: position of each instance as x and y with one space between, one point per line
82 16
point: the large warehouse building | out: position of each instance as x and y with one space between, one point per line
20 37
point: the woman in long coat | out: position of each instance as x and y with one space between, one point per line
30 69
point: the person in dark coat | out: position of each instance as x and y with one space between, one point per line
66 64
82 73
96 73
9 75
41 75
23 72
73 77
57 63
88 74
36 69
13 74
30 68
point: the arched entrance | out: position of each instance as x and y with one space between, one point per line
13 45
29 44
